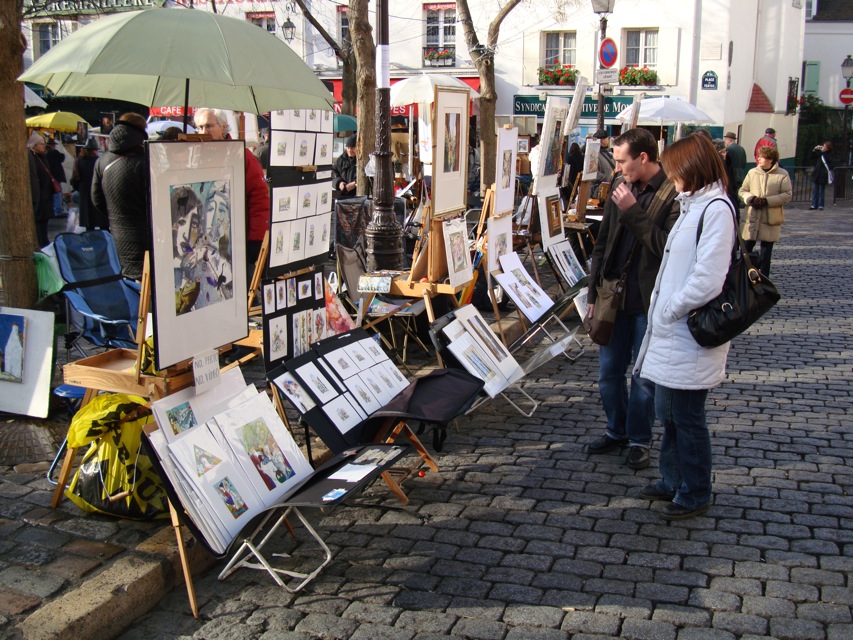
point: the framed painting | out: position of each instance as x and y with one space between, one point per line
505 170
198 213
26 353
551 143
450 156
551 219
523 145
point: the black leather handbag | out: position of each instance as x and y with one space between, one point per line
747 295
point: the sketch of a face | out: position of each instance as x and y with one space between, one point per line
185 220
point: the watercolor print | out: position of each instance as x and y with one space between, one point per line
291 292
319 283
451 142
291 388
236 505
201 233
304 149
506 168
281 148
181 418
277 331
204 460
266 456
554 144
12 341
269 298
281 294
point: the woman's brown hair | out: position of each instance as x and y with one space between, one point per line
695 162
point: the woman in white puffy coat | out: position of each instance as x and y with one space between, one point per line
691 274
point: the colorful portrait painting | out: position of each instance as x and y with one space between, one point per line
457 250
451 142
12 342
553 146
201 234
264 452
236 505
554 213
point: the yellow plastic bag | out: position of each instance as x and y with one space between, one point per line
113 465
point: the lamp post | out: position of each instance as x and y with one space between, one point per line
602 8
289 30
847 72
384 234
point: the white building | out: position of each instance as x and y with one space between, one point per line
740 61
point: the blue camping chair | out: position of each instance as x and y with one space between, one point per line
102 306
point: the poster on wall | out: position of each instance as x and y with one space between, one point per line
198 258
450 161
505 170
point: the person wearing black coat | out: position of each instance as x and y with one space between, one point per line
55 159
345 169
821 174
81 181
120 189
41 185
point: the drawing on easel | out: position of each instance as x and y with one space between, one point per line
500 241
590 159
553 143
456 249
505 171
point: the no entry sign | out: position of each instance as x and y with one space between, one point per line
846 96
607 53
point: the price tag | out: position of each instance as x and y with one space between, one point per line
206 370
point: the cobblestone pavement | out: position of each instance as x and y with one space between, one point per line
524 536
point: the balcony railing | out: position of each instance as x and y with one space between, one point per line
439 56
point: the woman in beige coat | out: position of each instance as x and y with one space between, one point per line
765 190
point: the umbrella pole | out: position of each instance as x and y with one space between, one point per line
186 104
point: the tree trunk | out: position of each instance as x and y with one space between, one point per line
17 222
345 54
365 55
483 58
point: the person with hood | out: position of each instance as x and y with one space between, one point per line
345 169
765 190
120 189
692 273
41 186
81 182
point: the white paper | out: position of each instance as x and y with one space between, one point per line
528 296
352 472
458 255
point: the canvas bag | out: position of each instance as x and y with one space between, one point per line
610 299
830 175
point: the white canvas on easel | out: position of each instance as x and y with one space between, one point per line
550 145
505 171
500 241
590 160
456 249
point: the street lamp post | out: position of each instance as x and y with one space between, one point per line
602 8
384 234
847 72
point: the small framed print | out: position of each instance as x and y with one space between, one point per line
304 287
291 292
281 294
307 200
281 148
297 240
319 285
303 149
284 203
313 121
269 298
279 244
450 168
277 330
523 144
296 119
323 154
327 121
324 197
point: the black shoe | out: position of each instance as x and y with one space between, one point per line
606 445
638 458
653 493
674 511
812 208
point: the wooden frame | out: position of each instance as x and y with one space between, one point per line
450 150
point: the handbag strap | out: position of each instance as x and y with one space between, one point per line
754 274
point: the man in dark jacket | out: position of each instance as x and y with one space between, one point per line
54 162
822 174
120 189
41 186
344 170
638 215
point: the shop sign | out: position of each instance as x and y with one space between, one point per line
533 105
57 8
709 81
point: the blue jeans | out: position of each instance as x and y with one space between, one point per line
685 451
58 208
629 415
818 191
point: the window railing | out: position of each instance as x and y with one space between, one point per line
439 56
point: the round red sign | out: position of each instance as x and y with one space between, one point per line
607 53
846 96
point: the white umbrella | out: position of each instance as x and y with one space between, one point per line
421 89
161 125
661 111
31 99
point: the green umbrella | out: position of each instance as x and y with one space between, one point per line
344 122
180 56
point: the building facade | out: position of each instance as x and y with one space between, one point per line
739 61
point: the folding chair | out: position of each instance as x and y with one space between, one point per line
102 307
